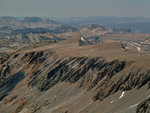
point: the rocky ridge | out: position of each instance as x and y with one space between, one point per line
44 70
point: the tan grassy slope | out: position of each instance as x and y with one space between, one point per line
108 50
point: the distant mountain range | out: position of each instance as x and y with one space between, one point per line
12 23
137 24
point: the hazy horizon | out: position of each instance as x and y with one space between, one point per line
78 8
73 16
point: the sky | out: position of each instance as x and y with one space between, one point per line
75 8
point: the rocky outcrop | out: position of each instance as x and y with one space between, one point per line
126 81
83 42
106 78
144 107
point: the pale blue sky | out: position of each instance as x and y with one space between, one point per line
75 8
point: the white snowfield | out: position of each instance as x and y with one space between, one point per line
122 95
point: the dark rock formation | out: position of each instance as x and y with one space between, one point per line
144 107
108 78
44 70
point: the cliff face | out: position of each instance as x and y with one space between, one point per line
29 81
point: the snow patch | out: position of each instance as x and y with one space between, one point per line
139 49
122 95
138 103
112 102
82 38
134 105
